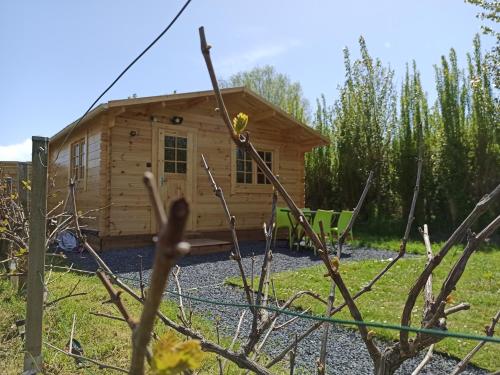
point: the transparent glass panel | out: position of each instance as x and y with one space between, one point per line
239 154
181 142
240 177
248 166
169 141
170 167
248 178
181 167
240 165
181 155
169 154
260 178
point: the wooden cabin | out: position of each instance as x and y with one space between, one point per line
108 152
10 172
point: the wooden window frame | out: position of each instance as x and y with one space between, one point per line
175 160
254 186
78 163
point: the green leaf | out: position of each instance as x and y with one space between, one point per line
173 356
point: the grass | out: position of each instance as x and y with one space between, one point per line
102 339
412 247
479 286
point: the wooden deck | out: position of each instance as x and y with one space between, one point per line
200 246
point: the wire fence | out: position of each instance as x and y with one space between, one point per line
319 318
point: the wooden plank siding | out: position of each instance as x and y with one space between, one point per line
131 154
88 194
10 169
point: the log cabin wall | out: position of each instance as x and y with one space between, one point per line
135 147
10 169
124 138
89 186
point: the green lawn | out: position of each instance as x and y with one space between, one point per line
103 339
412 247
479 286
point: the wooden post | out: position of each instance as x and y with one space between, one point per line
36 256
22 175
8 184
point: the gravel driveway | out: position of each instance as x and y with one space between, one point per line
204 276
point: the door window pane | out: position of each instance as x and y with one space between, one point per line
175 154
181 155
170 167
181 167
170 154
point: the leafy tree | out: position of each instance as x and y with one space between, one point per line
484 129
453 166
365 116
409 143
275 87
491 12
321 189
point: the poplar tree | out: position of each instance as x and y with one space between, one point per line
365 116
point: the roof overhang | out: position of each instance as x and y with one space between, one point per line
314 138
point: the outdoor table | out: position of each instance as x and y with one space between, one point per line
309 215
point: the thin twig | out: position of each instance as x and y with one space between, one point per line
98 363
219 193
481 207
235 337
71 334
169 249
219 360
424 362
182 316
293 355
243 142
69 295
490 330
355 214
108 316
141 279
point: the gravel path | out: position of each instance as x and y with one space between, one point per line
203 276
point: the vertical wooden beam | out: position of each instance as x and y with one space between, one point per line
22 175
8 184
36 256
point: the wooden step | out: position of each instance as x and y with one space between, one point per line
200 246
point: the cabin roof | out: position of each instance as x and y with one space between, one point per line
244 97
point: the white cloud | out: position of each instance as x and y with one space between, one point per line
387 45
251 57
16 152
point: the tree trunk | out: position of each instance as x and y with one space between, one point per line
389 362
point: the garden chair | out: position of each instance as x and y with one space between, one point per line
325 217
282 220
344 218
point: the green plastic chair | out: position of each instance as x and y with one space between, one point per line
344 218
324 216
282 220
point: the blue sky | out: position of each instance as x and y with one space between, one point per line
57 56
